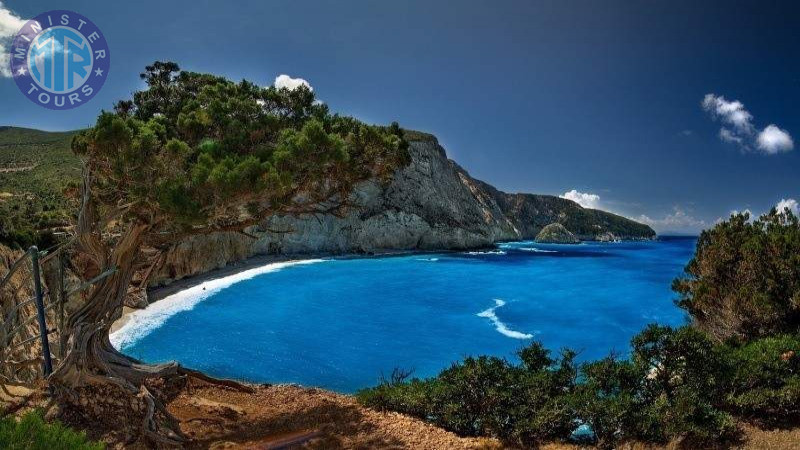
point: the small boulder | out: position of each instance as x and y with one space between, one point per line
136 299
555 233
606 237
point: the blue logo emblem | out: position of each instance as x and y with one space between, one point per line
60 59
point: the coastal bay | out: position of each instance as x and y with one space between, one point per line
416 311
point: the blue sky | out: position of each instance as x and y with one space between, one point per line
605 98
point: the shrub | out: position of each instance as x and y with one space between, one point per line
744 279
682 387
765 385
671 388
31 432
677 385
609 400
523 404
395 394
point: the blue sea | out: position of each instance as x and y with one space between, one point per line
341 323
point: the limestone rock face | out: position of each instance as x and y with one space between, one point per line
431 204
203 253
555 233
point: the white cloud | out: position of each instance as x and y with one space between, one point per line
285 81
738 127
732 113
728 136
678 222
774 140
10 24
789 203
584 199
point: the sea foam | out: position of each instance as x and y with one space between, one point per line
142 322
501 327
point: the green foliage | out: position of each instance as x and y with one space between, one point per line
765 383
192 145
744 279
682 389
609 400
672 387
584 221
36 168
31 432
524 403
675 385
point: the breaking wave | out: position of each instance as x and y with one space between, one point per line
501 327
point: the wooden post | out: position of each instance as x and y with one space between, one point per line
37 286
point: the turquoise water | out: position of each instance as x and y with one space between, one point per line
341 323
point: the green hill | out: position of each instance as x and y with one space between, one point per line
36 168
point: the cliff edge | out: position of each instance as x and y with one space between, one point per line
431 204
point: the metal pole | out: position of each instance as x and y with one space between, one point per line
62 336
37 286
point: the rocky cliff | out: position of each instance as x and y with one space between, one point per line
430 204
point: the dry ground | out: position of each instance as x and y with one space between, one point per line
273 416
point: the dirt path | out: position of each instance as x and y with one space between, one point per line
273 416
17 169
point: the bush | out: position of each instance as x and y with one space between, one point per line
744 279
395 394
523 404
672 387
682 387
609 400
31 432
765 384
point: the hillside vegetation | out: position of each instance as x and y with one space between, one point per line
36 170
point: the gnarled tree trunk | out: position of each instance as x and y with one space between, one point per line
94 380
